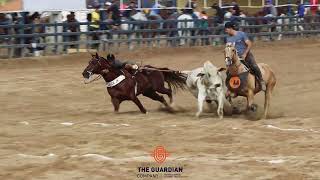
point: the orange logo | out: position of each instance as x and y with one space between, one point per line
235 82
160 154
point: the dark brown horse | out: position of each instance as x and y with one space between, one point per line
123 85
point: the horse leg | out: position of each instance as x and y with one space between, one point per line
250 98
266 102
138 103
116 104
267 96
166 91
153 95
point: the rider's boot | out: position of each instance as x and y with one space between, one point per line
257 72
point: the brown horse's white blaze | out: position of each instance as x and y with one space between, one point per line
235 67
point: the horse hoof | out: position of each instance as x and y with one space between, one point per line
253 107
144 112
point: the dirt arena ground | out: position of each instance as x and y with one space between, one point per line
55 127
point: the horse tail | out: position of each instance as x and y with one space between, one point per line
175 79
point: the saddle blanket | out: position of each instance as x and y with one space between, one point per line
237 83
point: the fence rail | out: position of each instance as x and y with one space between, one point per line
23 39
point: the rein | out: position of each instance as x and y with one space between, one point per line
161 70
95 79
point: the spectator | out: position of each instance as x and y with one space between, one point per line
104 15
269 9
34 42
95 25
280 22
301 9
155 12
204 27
289 9
243 22
190 8
70 26
128 13
4 21
230 15
236 8
300 14
115 14
219 14
314 7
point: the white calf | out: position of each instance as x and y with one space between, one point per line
207 83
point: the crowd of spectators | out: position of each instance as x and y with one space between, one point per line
108 16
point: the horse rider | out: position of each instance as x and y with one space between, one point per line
115 63
243 46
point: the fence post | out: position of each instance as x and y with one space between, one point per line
55 37
10 40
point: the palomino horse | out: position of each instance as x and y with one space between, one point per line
122 85
246 85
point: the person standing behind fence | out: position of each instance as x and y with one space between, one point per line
155 12
95 25
314 7
115 18
300 14
218 19
130 10
190 8
204 28
4 21
243 21
236 8
70 26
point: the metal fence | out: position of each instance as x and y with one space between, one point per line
17 42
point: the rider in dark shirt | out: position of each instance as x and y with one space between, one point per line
115 63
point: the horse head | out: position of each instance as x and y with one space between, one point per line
96 65
231 55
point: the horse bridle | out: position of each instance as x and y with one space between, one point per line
228 60
99 63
